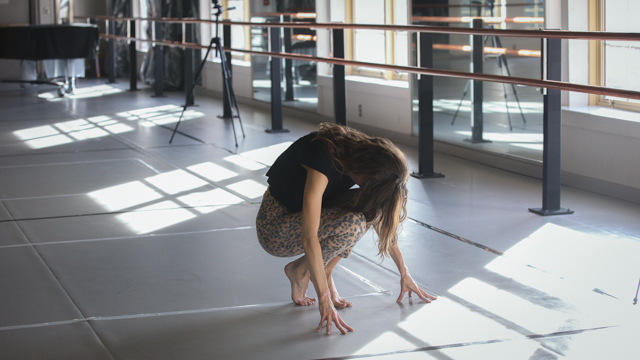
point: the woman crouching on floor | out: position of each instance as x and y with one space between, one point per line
310 208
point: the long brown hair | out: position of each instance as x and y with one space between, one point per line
383 196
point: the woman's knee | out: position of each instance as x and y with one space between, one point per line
355 224
361 223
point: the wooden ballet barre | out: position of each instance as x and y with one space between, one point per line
589 89
485 19
299 15
304 37
489 50
539 34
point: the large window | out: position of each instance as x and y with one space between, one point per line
617 61
378 46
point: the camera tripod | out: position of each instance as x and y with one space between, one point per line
501 59
230 97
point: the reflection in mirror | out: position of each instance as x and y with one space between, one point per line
299 79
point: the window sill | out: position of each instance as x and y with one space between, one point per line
378 81
602 119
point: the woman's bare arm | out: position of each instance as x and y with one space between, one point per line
311 210
407 284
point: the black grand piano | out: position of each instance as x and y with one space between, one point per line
50 42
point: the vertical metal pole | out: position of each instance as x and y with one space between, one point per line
158 56
339 84
111 52
133 58
425 111
477 57
288 63
552 131
226 42
188 64
276 84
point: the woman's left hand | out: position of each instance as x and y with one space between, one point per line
408 284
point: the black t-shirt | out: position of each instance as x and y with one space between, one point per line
287 177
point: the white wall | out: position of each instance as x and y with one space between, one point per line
600 150
242 78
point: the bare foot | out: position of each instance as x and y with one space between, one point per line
299 284
338 302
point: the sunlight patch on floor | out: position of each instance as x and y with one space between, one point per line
512 308
442 330
124 196
155 217
607 262
213 172
172 197
81 93
176 181
208 201
267 155
66 132
389 342
244 162
248 188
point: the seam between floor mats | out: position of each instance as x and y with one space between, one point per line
123 212
63 152
30 244
166 313
65 291
457 345
457 237
74 162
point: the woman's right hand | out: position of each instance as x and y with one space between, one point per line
329 315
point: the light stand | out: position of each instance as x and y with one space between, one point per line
231 97
501 58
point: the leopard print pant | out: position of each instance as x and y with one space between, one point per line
280 230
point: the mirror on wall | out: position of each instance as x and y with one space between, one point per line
299 77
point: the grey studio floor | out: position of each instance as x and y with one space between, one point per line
117 245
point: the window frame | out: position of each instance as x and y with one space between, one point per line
390 45
597 62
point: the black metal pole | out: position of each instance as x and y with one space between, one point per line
477 58
226 42
339 84
158 57
425 111
276 82
188 65
133 58
111 53
288 63
552 132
